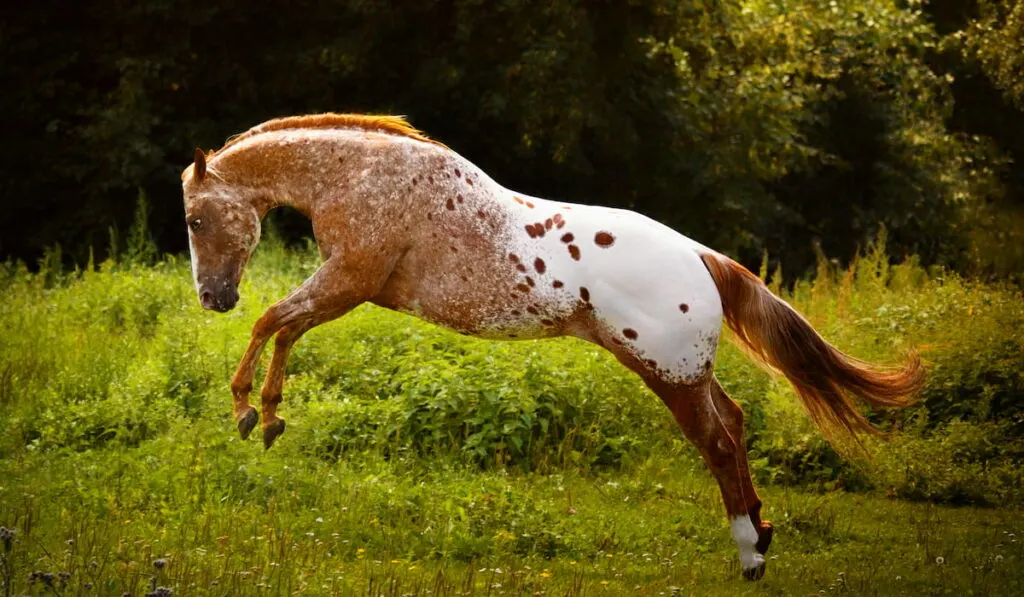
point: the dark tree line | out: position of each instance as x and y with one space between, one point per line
757 126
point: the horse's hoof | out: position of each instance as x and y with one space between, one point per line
247 422
271 432
754 573
764 537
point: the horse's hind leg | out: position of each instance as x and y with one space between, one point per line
714 424
732 416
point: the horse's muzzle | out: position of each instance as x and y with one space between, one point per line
221 301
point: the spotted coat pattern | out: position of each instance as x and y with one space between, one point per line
408 224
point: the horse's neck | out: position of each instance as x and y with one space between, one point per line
308 177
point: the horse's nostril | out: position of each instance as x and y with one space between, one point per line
206 299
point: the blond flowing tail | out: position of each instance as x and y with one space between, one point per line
825 378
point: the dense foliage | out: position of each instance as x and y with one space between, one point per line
116 357
752 126
418 461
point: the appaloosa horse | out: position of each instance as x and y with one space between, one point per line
408 224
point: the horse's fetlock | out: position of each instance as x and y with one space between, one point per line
241 389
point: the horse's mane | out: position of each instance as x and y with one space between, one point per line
396 125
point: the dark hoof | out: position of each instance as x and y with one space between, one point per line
764 537
271 432
247 422
754 573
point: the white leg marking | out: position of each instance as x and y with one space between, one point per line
745 535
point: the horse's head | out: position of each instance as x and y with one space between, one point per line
223 229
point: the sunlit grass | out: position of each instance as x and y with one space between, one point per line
421 462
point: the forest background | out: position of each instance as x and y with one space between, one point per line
868 149
756 126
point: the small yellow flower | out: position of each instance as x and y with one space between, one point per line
607 555
545 574
604 582
396 561
413 567
361 551
504 535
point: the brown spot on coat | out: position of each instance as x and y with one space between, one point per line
538 264
531 231
604 239
539 229
518 200
532 310
522 288
584 294
449 204
530 205
549 223
574 251
567 237
469 181
547 322
530 281
684 307
557 284
630 333
459 198
480 214
513 258
516 312
457 173
521 267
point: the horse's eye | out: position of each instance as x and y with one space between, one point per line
196 224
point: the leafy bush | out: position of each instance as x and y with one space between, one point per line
117 356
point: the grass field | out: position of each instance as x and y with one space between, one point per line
229 519
419 462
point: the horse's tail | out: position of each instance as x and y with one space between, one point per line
779 337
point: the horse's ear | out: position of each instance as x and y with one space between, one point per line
200 171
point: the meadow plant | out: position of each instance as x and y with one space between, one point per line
419 459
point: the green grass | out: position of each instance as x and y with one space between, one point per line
231 519
420 462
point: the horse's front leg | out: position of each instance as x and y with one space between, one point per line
326 295
273 384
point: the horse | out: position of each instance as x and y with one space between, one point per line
404 222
